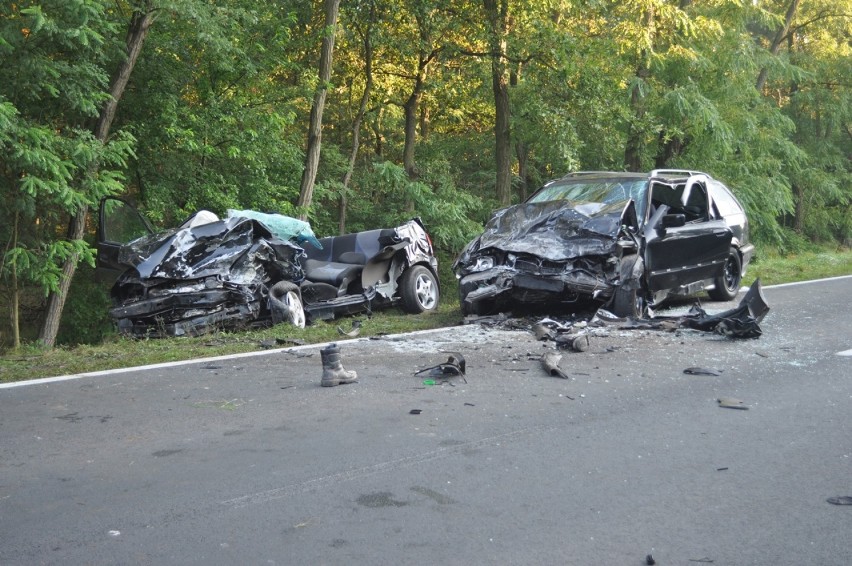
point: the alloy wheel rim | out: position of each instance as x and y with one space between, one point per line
425 292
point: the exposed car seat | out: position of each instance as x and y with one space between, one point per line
342 258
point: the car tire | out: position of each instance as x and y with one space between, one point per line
419 290
285 303
727 285
627 303
628 300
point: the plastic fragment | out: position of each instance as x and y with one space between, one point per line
731 403
550 361
354 332
840 500
702 371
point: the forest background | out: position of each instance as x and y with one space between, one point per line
357 114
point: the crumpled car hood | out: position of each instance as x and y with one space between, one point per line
552 230
217 248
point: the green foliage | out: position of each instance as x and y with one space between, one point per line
216 112
52 84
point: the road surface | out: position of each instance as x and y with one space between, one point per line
248 460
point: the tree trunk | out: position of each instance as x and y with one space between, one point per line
498 27
140 24
15 306
356 123
779 38
312 155
635 131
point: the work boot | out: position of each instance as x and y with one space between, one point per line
333 372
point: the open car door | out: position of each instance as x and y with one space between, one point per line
684 242
118 223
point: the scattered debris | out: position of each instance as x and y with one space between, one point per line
576 342
454 366
703 371
415 411
731 403
353 332
299 353
649 560
840 500
542 332
294 341
721 469
550 361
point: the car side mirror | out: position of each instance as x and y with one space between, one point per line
674 220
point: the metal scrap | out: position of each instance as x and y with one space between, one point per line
454 366
550 362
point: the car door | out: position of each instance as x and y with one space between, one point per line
118 223
688 243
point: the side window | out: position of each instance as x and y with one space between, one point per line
696 204
121 223
725 201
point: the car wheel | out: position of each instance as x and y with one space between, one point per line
628 300
419 290
285 302
627 303
727 285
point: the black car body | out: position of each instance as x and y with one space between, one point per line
245 270
627 240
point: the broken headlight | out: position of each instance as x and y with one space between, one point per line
482 263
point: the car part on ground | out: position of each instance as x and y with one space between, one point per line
742 321
247 270
624 240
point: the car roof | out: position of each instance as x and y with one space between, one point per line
667 173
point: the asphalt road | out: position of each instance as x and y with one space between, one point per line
249 461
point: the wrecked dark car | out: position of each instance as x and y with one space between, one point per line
253 269
626 241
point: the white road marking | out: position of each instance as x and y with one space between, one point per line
845 353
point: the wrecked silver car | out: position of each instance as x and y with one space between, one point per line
255 269
624 240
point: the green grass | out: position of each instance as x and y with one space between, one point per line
31 362
774 269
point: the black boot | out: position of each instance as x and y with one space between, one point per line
333 372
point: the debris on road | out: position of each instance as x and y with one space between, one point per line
454 366
841 500
731 403
702 371
550 362
576 342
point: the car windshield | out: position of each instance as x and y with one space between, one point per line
605 191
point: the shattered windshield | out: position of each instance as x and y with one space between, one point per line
605 191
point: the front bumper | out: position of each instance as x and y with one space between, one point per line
494 289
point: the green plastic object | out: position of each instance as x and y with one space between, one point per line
283 227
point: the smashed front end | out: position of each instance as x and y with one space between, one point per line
546 254
197 279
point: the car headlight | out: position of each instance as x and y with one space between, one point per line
483 263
